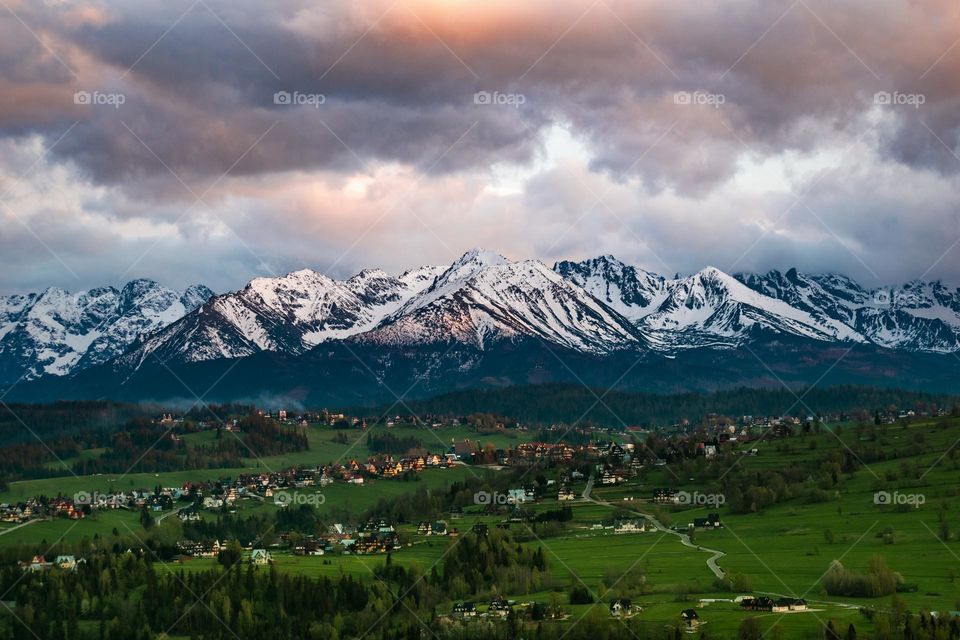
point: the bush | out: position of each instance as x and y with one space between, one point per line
878 581
580 595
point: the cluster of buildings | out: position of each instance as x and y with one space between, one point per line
39 564
772 605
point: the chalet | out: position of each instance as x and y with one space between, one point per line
189 514
36 564
212 503
690 618
260 557
565 493
516 496
209 549
308 548
438 529
712 521
629 526
499 607
620 607
780 605
66 563
464 610
187 547
664 496
423 529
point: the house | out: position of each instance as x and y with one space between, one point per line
464 610
208 549
499 607
690 618
664 496
438 529
67 563
620 607
188 515
260 557
36 564
712 521
423 529
479 529
629 526
782 605
308 548
565 493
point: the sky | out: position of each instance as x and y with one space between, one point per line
213 141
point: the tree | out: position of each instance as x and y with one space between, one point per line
851 632
750 629
146 520
230 554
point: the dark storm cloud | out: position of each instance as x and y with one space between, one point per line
781 79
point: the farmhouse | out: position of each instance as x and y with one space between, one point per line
464 610
499 607
260 557
690 618
780 605
620 607
712 521
629 526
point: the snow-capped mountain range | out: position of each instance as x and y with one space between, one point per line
598 306
57 332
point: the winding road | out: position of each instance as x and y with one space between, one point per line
684 538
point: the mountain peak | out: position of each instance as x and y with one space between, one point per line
483 257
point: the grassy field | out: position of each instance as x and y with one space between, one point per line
783 549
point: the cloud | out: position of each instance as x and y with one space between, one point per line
698 124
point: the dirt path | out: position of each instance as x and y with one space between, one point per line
716 554
18 526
